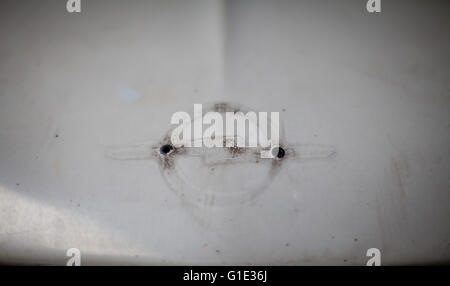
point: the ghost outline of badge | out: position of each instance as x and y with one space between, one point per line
203 177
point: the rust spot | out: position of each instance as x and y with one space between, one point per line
225 107
234 151
167 162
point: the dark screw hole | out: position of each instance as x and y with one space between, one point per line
165 149
278 152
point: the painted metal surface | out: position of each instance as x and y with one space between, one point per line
373 88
